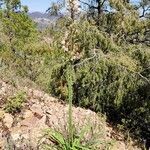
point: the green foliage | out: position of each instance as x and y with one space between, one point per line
14 104
69 78
60 142
64 144
72 141
107 81
17 29
11 5
55 8
108 52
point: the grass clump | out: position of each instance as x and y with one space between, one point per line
15 103
63 143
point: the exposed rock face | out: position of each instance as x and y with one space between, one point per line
25 131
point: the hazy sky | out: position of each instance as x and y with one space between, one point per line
37 5
41 5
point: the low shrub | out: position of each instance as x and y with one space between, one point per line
15 103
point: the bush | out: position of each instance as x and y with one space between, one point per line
108 81
14 104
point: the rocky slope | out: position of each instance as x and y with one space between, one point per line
24 130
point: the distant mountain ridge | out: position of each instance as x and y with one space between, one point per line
38 14
43 20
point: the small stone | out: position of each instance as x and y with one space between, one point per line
8 120
37 110
36 132
2 144
37 94
29 122
33 101
15 136
28 114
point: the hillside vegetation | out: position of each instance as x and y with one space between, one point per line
98 56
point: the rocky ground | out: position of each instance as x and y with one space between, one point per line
25 130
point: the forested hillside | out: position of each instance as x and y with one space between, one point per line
97 57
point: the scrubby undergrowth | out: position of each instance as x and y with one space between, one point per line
43 120
109 55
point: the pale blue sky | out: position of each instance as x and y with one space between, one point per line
41 5
37 5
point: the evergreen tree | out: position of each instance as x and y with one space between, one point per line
16 24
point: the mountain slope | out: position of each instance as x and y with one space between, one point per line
24 129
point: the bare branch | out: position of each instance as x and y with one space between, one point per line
88 5
134 72
84 61
144 11
144 78
103 3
